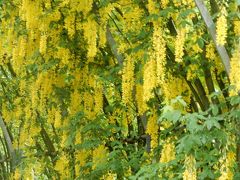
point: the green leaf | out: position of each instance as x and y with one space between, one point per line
212 122
180 100
235 100
165 12
185 13
215 110
188 143
193 126
170 114
200 42
235 114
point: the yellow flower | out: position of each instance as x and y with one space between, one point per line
191 71
62 166
152 130
139 98
127 80
64 54
227 162
149 79
23 46
190 172
237 27
90 34
17 174
221 28
196 48
57 119
76 100
164 3
177 3
99 155
98 96
210 51
43 44
179 45
173 87
235 69
168 152
152 7
70 24
109 176
78 137
84 6
159 47
132 19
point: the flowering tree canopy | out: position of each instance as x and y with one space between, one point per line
120 89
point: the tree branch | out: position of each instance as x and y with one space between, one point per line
112 43
8 141
212 30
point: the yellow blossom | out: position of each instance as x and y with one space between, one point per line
99 155
168 151
159 46
179 45
70 24
76 100
196 48
90 34
84 6
127 80
43 44
210 51
62 166
237 27
190 172
78 137
152 130
173 87
164 3
227 163
192 71
139 98
152 7
57 119
149 79
23 45
51 114
109 176
221 28
177 3
235 69
98 96
64 54
124 122
17 174
132 19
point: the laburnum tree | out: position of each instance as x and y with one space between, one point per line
120 89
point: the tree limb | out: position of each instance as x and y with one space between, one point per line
112 43
212 30
8 140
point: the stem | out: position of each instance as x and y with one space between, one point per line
49 144
8 142
112 43
202 94
197 97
